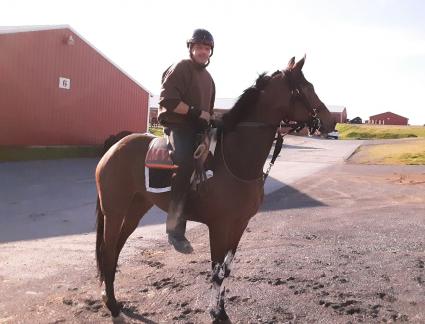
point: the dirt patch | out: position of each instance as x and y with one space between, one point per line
357 257
411 179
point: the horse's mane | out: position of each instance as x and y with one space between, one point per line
245 103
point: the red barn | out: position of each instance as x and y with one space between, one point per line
388 118
339 113
57 89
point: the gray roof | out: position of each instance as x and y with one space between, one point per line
24 29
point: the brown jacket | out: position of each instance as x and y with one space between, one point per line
187 82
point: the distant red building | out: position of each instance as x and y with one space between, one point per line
339 113
57 89
388 118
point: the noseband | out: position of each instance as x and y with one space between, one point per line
297 93
313 123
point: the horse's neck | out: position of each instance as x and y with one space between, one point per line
246 150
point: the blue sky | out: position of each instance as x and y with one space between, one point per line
366 55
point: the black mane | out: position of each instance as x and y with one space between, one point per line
246 102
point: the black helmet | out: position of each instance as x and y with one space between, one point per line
201 36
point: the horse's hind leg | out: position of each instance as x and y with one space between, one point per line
139 207
110 252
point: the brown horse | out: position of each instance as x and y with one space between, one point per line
235 192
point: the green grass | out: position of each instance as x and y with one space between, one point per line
157 131
403 153
413 158
25 153
10 153
365 131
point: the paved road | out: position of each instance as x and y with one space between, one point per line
41 199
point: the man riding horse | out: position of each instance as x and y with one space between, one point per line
185 109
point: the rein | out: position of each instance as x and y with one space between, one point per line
315 123
248 124
277 148
279 143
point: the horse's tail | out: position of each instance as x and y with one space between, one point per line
112 139
100 223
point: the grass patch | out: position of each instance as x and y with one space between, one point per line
413 158
157 131
365 131
403 153
26 153
11 153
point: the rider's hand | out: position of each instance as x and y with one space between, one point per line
205 115
204 120
217 122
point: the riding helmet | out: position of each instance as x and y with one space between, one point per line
201 36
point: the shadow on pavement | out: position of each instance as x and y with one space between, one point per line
289 198
297 147
44 199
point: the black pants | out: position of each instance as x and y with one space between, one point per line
182 141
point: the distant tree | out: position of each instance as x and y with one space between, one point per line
356 120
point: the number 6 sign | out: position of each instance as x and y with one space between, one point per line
64 83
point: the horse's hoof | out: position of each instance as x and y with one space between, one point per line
219 315
218 321
120 319
113 306
104 297
180 244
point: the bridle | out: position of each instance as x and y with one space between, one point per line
313 123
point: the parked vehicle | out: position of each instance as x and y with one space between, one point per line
334 134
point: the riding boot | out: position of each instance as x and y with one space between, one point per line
176 224
182 141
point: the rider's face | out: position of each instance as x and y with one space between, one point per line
201 53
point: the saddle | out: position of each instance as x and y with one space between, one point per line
158 155
159 166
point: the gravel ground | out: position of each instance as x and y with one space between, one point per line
346 245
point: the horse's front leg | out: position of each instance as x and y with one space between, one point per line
219 273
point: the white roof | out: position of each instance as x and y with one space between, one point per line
224 103
153 101
334 108
221 103
24 29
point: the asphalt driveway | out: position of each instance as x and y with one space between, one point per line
40 199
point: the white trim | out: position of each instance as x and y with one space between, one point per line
154 190
336 108
149 112
24 29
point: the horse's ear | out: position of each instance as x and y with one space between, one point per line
291 63
299 65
